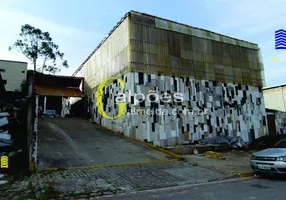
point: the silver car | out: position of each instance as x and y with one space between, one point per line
270 161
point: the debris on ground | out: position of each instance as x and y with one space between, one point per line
233 142
5 135
3 121
4 114
12 136
3 182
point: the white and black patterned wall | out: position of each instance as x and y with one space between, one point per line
229 109
280 122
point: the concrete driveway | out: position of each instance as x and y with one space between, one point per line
74 142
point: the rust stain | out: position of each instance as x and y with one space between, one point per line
61 91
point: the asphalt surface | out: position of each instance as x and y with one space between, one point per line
235 161
73 142
249 188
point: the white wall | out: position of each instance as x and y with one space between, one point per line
275 98
14 73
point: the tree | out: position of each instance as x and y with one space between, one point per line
38 46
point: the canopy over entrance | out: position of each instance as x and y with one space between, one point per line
64 86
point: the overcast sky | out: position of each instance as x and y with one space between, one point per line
78 26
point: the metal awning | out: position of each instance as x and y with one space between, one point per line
58 91
52 85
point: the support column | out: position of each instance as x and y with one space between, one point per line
33 161
45 103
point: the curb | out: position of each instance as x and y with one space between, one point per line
107 165
173 155
123 193
212 154
235 174
246 174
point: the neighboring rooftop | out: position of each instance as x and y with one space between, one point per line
13 61
272 87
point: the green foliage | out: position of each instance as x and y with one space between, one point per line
37 45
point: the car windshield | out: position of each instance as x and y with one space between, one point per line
281 144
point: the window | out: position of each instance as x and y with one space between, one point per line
23 72
2 70
4 82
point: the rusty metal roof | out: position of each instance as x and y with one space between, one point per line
58 91
53 85
57 81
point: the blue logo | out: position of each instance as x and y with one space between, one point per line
280 39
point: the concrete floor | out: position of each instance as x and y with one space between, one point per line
73 142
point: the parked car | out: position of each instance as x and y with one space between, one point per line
49 113
271 160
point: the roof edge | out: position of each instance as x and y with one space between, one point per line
14 61
274 86
140 13
136 12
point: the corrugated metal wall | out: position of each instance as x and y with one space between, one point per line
109 59
143 43
168 48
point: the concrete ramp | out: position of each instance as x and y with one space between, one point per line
73 142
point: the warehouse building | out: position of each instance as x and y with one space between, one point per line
216 74
275 97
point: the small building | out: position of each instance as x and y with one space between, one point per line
217 74
275 97
13 74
